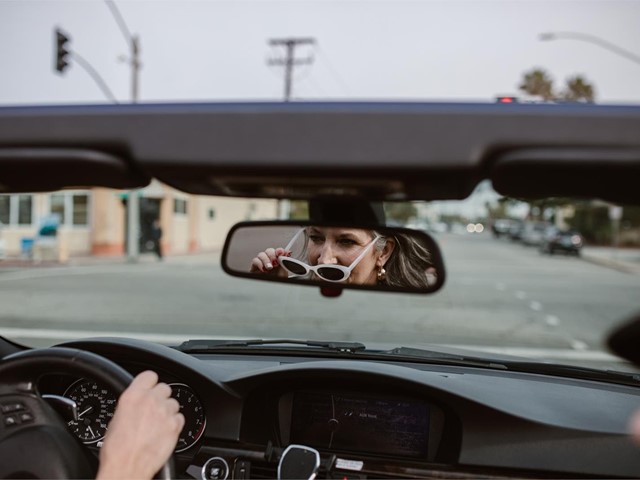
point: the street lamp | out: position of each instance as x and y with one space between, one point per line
585 37
615 212
62 55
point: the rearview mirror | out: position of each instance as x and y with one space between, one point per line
339 256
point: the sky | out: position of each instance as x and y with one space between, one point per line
211 50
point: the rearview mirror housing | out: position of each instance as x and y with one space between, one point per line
336 256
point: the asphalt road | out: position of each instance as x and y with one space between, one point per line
498 294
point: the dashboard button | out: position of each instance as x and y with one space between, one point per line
26 417
216 468
242 470
12 407
11 421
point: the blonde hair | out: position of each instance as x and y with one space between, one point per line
408 263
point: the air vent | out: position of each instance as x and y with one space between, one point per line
263 470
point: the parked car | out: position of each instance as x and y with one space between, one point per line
565 241
500 227
516 230
533 233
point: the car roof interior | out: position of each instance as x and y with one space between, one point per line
383 151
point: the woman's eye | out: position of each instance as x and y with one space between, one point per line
347 241
316 239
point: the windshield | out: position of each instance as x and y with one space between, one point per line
545 279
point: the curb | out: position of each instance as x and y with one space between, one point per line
610 263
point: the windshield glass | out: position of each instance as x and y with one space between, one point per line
545 279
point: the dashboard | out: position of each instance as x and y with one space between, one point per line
369 419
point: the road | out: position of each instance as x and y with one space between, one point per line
498 294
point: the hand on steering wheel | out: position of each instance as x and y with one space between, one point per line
143 432
38 444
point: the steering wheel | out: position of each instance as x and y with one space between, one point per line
36 442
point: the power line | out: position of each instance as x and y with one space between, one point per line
334 72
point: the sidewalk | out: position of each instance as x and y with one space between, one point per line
622 259
212 258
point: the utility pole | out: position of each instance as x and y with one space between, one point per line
290 62
133 203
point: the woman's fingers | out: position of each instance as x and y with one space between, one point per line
162 390
256 265
267 260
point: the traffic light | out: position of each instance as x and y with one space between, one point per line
62 51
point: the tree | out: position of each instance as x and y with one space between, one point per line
538 83
501 207
578 89
401 212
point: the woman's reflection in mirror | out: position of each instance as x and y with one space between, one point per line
352 256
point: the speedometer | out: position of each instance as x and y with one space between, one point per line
96 405
194 419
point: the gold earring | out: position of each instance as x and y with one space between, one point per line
382 274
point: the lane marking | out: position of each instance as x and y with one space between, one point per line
535 306
552 320
578 345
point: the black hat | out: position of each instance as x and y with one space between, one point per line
346 210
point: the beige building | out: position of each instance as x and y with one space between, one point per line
93 222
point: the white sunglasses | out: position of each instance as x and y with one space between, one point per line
328 272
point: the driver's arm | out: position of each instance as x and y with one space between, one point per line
143 432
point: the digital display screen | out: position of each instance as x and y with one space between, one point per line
384 425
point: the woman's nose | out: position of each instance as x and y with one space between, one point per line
326 255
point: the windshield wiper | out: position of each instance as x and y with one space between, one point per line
203 346
445 358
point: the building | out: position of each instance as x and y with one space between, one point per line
94 221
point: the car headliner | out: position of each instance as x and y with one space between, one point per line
390 151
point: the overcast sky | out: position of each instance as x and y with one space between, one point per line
366 50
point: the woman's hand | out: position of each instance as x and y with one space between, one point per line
267 262
143 432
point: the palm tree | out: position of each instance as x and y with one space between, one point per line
578 89
538 83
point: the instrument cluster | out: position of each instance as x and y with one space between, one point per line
96 405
